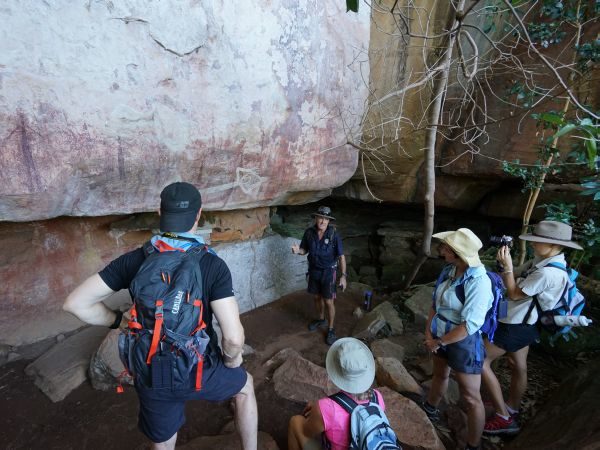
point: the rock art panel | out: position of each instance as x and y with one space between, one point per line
49 258
106 102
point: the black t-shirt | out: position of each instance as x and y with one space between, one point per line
216 280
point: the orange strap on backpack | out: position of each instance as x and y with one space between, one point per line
158 321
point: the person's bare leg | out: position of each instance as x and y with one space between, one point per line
167 445
490 382
330 311
469 386
297 437
518 379
246 415
439 383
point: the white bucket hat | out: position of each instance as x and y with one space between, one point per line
350 365
551 232
464 243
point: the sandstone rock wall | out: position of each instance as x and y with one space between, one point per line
43 261
469 174
104 103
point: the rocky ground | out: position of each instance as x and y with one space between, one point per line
91 419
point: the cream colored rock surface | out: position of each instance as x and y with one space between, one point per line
104 103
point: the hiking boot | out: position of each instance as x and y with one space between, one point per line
498 425
432 413
319 323
331 338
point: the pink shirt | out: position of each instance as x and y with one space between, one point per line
337 421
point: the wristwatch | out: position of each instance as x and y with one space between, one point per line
344 274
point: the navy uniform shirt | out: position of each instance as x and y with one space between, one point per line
324 253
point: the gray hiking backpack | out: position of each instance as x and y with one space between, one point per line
166 336
369 426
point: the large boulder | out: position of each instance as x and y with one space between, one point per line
419 304
410 422
570 418
65 366
117 99
106 369
391 373
302 381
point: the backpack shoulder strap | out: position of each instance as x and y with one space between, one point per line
374 397
199 250
557 266
344 401
148 248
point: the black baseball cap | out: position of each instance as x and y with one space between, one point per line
179 206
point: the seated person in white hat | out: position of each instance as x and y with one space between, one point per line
351 368
534 279
453 333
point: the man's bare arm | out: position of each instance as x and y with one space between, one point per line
85 302
228 315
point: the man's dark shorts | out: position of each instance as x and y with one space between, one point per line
465 356
513 337
162 412
322 282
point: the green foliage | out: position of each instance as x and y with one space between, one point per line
523 95
589 134
352 5
592 186
531 175
559 212
585 230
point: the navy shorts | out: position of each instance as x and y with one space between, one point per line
512 337
322 282
465 356
162 412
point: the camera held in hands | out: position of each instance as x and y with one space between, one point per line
501 241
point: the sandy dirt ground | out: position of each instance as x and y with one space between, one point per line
90 419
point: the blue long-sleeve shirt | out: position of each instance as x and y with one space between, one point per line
478 300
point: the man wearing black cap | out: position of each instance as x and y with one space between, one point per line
324 248
162 411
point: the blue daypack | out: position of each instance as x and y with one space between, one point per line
369 426
499 308
570 303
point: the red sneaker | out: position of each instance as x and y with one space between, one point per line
499 425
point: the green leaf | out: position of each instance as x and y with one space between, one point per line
552 118
352 5
597 196
564 130
590 145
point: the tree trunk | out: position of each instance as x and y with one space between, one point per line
440 84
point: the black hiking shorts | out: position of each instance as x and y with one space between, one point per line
322 282
162 412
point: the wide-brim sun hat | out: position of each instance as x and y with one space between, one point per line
350 365
552 232
179 206
464 243
323 211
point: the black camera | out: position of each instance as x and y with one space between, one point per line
501 241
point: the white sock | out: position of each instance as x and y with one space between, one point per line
510 410
504 417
